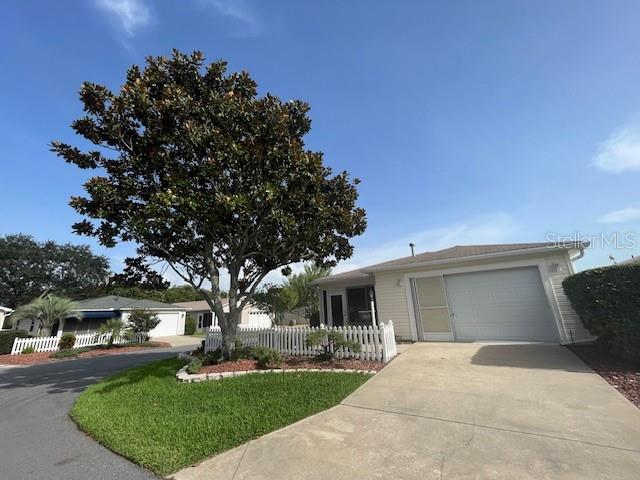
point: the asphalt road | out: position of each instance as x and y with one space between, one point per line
37 438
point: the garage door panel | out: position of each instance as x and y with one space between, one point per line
500 305
168 325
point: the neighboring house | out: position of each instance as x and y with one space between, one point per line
510 292
4 316
250 316
96 311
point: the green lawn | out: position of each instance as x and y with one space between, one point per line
144 414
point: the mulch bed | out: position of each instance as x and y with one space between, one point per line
45 357
291 362
623 375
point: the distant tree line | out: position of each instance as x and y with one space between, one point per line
30 269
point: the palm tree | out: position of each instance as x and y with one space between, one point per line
48 310
305 292
115 327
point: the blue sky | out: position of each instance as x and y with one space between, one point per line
468 122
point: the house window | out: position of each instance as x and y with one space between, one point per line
359 305
200 321
206 322
33 324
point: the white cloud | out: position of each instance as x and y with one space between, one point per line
131 14
621 151
621 216
240 11
486 229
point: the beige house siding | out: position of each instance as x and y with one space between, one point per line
391 299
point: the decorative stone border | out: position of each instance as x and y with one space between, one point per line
183 376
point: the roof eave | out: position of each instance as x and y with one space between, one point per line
524 251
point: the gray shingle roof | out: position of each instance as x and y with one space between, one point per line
453 253
114 302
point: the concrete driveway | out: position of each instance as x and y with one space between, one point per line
454 411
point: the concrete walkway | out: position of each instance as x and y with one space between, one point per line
456 411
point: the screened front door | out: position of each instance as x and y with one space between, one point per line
433 321
336 309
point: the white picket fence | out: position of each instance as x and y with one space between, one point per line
50 344
376 343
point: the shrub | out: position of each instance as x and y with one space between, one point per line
212 358
330 341
142 320
72 352
67 341
608 303
189 325
240 352
27 350
7 337
194 366
267 357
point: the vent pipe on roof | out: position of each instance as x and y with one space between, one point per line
413 253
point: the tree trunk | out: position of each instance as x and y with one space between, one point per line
229 330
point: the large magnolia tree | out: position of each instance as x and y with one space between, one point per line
203 173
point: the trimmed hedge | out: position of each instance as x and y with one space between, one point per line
608 302
7 337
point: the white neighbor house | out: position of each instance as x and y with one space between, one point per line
250 316
96 311
508 292
5 312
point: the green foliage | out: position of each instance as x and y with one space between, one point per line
330 341
267 357
146 416
212 358
27 350
182 293
217 177
115 327
305 291
189 325
137 273
67 341
70 353
142 320
29 268
194 366
49 310
240 352
7 337
277 300
608 303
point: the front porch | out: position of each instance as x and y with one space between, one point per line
348 305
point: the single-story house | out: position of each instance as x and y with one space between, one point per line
5 312
250 316
96 311
507 292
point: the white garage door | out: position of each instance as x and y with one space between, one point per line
169 323
500 305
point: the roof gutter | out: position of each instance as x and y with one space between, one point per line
508 253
